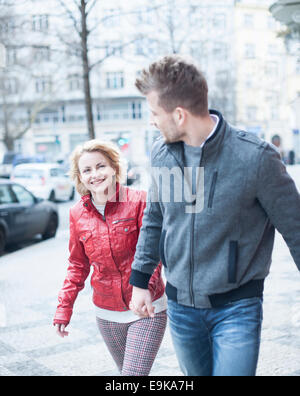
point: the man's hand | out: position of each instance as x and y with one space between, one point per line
141 302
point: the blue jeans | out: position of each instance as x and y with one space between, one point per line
219 341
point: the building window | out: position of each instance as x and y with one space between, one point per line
7 27
40 23
219 21
114 48
75 82
145 16
250 51
119 111
48 116
251 113
43 85
146 47
272 69
11 86
114 80
42 53
196 16
136 110
220 50
111 17
11 56
248 21
249 81
273 50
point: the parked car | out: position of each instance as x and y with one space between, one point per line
47 181
23 216
11 159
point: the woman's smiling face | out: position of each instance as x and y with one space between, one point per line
96 173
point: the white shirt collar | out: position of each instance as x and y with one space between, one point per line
216 120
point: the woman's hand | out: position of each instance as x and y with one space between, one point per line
141 303
60 330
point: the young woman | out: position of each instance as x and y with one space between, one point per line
104 229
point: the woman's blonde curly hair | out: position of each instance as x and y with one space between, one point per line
108 149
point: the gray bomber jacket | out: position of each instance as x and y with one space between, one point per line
223 252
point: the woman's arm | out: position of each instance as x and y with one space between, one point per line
78 271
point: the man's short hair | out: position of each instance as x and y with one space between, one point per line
178 83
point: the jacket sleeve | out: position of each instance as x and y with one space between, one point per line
78 271
278 195
147 254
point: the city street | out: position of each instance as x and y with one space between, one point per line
31 277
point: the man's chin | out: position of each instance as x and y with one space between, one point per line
169 140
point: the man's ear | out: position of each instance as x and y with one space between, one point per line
179 116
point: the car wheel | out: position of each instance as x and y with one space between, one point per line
51 229
52 197
2 242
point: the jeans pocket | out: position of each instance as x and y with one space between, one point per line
245 301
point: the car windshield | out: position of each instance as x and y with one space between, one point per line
28 173
8 158
56 172
5 195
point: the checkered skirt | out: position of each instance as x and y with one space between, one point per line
134 345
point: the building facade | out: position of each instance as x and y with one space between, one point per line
235 43
266 75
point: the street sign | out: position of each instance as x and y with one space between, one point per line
296 132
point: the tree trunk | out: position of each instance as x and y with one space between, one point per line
86 71
9 143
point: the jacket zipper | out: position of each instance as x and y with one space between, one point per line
119 221
212 190
192 265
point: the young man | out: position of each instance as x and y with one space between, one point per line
216 243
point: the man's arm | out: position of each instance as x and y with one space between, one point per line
280 198
147 254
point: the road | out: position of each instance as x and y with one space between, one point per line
29 282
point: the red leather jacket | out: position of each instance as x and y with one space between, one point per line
108 244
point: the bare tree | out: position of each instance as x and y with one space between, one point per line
18 109
86 24
197 29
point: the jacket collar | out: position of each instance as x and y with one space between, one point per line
212 145
117 197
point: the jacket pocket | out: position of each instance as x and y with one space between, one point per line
127 236
232 261
87 241
162 248
212 190
126 229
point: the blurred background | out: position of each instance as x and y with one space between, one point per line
67 71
